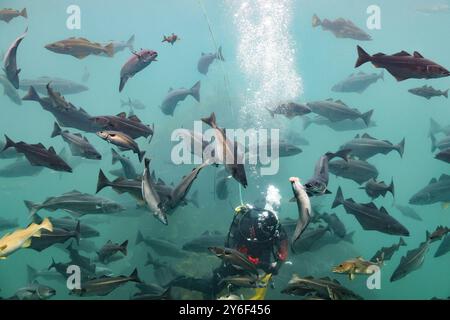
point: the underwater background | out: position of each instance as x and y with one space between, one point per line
272 54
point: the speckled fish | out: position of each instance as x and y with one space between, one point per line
80 48
138 61
174 96
70 224
374 189
121 140
386 253
357 82
428 92
403 66
50 238
8 14
341 28
357 170
336 111
130 125
10 61
10 91
22 238
110 249
207 59
370 217
79 145
366 146
290 110
38 155
63 86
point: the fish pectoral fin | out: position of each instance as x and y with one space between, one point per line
27 243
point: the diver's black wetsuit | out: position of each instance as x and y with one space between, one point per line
249 235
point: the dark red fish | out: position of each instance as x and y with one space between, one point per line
136 63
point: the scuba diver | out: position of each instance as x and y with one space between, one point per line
255 233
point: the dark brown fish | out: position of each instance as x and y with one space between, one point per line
80 48
375 189
386 253
404 66
428 92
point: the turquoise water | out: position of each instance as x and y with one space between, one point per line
272 54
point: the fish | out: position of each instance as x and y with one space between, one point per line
171 39
33 274
309 239
442 144
403 65
318 184
439 233
136 63
428 92
336 111
444 247
412 261
163 272
131 125
133 104
435 191
151 196
357 83
63 86
335 224
343 125
242 281
8 14
227 152
50 238
304 208
79 145
290 110
123 141
10 61
437 128
325 288
357 170
10 91
374 189
234 258
370 217
161 246
443 155
127 166
366 146
22 238
386 253
341 28
103 286
70 116
38 155
356 266
6 224
70 224
207 59
34 291
80 48
110 249
204 241
408 212
174 96
76 203
119 46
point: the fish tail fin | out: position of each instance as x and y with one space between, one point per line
102 181
24 13
9 143
363 57
31 273
272 113
306 122
434 127
134 276
123 81
445 93
141 155
124 247
130 43
31 95
32 207
109 49
47 225
139 237
339 198
211 120
219 54
402 242
78 232
343 154
366 117
194 199
150 259
391 187
56 130
401 147
195 91
316 21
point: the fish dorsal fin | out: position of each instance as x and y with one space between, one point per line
370 205
444 177
340 102
52 150
84 39
367 136
121 115
134 118
432 181
383 210
417 55
402 54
